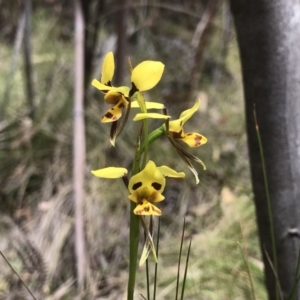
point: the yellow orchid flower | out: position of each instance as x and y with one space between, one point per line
143 77
193 139
176 131
146 187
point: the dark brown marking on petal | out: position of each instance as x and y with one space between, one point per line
146 208
121 105
198 140
181 123
133 90
112 108
156 185
137 185
189 134
109 115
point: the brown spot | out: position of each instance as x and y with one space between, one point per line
136 185
147 208
156 185
198 140
189 134
181 123
109 115
121 105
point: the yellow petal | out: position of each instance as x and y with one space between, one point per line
194 139
141 116
115 113
168 172
100 86
150 178
110 172
177 125
114 96
185 115
108 68
149 105
147 209
147 74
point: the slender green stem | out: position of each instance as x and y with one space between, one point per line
179 260
185 270
292 295
147 278
270 215
146 133
134 234
245 259
156 265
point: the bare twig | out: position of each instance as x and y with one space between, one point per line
13 269
79 144
199 41
27 57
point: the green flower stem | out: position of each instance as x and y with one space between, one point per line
134 234
153 136
134 229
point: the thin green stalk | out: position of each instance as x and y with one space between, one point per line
179 260
156 265
185 270
292 295
270 215
248 271
147 277
134 234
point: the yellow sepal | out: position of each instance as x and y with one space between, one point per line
149 105
147 74
168 172
110 172
108 68
141 116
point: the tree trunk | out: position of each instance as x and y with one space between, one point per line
268 34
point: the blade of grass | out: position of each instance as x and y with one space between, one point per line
179 260
292 295
275 275
245 258
185 270
156 265
25 285
270 215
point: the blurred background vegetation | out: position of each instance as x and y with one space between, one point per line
196 42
